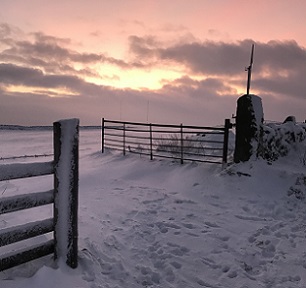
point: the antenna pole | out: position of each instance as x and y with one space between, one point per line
249 69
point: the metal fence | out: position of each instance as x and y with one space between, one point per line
184 143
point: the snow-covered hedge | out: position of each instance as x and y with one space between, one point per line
279 139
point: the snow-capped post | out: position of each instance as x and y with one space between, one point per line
102 135
123 142
249 121
151 142
182 145
227 126
66 174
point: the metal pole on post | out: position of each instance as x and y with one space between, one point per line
102 135
249 70
66 155
182 145
227 126
151 142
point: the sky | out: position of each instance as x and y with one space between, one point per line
149 61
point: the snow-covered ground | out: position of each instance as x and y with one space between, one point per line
157 223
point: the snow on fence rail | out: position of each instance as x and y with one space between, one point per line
190 143
64 196
26 156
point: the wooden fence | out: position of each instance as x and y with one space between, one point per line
64 196
190 143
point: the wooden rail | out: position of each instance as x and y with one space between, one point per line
64 198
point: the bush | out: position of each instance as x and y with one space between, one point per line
279 139
172 144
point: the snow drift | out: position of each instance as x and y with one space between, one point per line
157 223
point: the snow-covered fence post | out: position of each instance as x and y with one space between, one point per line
151 142
249 121
102 135
66 139
182 144
227 126
123 142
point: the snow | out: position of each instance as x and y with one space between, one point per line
282 138
157 223
256 105
258 110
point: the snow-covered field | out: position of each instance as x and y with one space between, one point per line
157 223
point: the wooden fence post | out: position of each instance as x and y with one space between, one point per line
227 126
182 145
102 135
66 140
123 139
151 142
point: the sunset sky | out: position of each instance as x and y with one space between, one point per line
174 61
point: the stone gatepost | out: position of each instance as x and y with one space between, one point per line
249 121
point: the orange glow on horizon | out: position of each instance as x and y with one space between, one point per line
56 92
134 79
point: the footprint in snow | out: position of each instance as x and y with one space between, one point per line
188 225
211 224
118 189
165 226
177 250
184 201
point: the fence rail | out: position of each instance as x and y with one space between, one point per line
181 142
26 156
63 196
